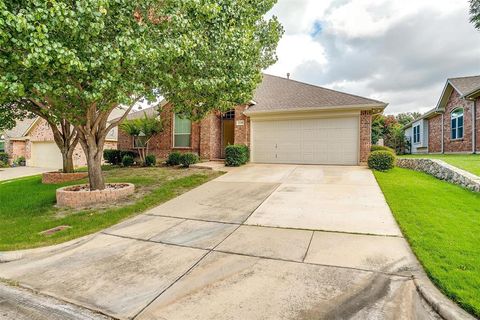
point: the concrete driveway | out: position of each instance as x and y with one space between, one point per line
261 242
19 172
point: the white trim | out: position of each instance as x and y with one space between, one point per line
318 109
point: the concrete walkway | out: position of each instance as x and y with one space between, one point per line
260 242
19 172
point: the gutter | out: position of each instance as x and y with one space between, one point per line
380 108
443 133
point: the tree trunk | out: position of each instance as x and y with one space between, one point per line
67 162
95 176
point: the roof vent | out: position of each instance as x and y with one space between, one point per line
288 75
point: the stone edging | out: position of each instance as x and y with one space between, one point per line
84 198
443 171
60 177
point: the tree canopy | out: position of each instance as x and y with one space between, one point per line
201 55
78 60
475 13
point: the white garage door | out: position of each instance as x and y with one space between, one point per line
45 155
309 141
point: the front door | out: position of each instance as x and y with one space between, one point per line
228 130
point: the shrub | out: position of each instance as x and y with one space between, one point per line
150 160
112 156
236 155
115 157
381 148
3 164
4 157
127 160
187 159
381 160
174 159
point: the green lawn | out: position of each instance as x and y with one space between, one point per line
27 205
467 162
441 221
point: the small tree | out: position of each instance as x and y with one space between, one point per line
142 129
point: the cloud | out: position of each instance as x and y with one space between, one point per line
398 51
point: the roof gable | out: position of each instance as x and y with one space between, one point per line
465 86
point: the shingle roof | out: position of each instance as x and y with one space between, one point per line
150 112
466 84
20 129
281 94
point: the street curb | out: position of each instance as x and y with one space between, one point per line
446 308
9 256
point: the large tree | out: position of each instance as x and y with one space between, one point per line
475 13
85 57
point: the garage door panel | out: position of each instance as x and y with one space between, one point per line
311 141
45 155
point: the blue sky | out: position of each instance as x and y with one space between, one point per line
397 51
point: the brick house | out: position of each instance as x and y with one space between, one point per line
453 125
33 139
286 122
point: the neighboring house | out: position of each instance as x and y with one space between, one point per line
453 126
33 139
287 122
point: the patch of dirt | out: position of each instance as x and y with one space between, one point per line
108 186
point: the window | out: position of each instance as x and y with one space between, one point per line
416 134
182 132
2 143
139 142
457 123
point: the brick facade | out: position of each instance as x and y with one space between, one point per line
460 145
477 125
41 132
206 138
365 135
435 134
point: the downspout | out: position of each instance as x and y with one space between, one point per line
443 134
474 127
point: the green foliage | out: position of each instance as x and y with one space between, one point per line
440 222
381 160
189 158
384 148
150 160
127 161
3 164
4 157
114 156
475 13
236 155
390 129
23 218
174 158
108 53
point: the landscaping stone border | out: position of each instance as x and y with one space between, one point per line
84 198
60 177
443 171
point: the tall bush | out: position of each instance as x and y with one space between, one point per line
236 155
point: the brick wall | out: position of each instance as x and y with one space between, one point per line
477 131
460 145
210 136
17 148
242 132
435 134
42 132
365 135
162 144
